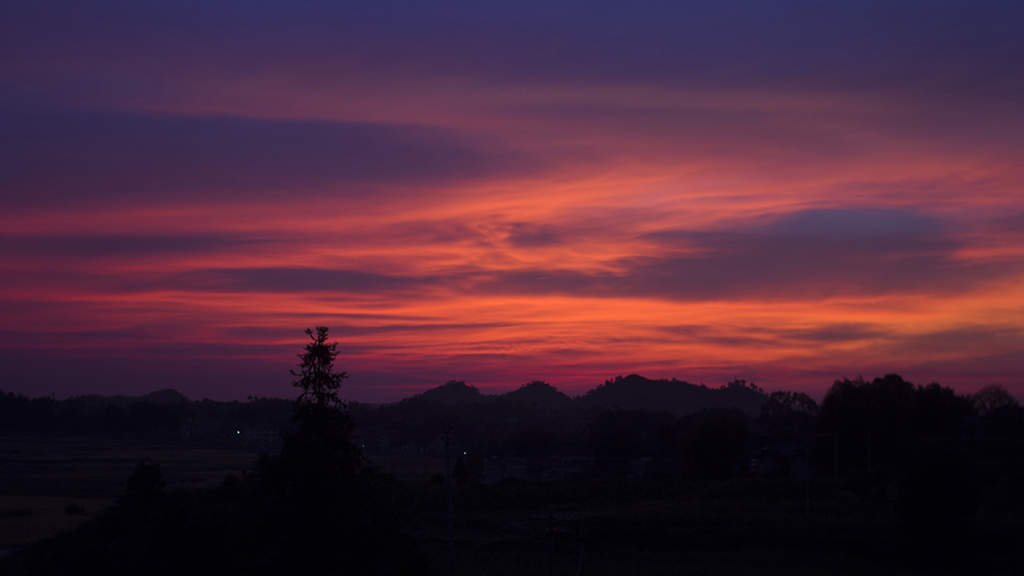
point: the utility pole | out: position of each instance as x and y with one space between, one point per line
448 488
807 474
551 550
579 569
869 450
835 453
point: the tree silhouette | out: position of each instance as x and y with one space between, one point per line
326 506
991 398
316 376
873 421
789 415
319 454
144 487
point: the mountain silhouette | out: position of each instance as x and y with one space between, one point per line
165 396
632 392
453 392
539 393
635 392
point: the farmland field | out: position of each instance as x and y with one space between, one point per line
26 519
90 467
740 525
41 477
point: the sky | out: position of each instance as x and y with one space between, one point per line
787 192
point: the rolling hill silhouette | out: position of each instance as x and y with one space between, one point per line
631 392
635 392
453 392
541 394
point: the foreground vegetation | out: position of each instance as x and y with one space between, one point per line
605 526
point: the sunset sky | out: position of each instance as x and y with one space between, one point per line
785 191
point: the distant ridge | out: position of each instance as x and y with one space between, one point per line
635 392
453 392
632 392
165 396
539 393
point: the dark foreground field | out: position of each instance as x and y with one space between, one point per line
588 526
51 485
744 525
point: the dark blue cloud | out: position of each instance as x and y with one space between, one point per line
809 254
816 254
88 155
290 280
85 245
855 223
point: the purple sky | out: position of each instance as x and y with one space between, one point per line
786 192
